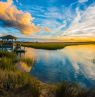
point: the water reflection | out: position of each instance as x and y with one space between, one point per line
73 63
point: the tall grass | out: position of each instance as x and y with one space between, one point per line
7 54
69 90
66 89
28 61
14 83
52 45
17 80
12 80
7 64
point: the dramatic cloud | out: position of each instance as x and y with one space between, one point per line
84 23
18 19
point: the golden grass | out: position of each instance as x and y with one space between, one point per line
53 45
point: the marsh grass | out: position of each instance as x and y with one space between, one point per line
66 89
17 80
69 90
7 54
7 60
28 61
14 83
52 45
7 64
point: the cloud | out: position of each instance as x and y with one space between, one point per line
83 1
53 18
57 20
47 29
12 17
83 24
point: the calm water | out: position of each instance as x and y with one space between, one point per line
73 64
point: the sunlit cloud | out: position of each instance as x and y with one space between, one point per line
83 24
75 20
12 17
47 29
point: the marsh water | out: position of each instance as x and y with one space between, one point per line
72 63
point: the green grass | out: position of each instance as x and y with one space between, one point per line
69 90
14 83
66 89
7 61
7 54
28 61
52 45
7 64
10 82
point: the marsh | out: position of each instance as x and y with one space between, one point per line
74 64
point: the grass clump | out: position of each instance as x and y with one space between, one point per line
17 82
7 54
14 83
28 61
66 89
7 60
7 64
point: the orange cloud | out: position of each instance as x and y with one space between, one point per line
47 29
18 19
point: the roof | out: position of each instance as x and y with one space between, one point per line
8 37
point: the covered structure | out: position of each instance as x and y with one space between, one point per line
8 42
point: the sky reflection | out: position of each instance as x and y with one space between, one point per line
73 64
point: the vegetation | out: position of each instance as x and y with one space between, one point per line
69 90
52 45
7 64
66 89
7 54
28 61
14 83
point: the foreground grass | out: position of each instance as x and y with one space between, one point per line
28 61
18 84
66 89
53 45
14 83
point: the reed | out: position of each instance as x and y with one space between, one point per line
14 83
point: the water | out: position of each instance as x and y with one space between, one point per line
72 64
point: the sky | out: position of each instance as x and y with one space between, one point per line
47 18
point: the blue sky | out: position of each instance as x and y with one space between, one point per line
57 15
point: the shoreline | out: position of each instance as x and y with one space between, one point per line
52 45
